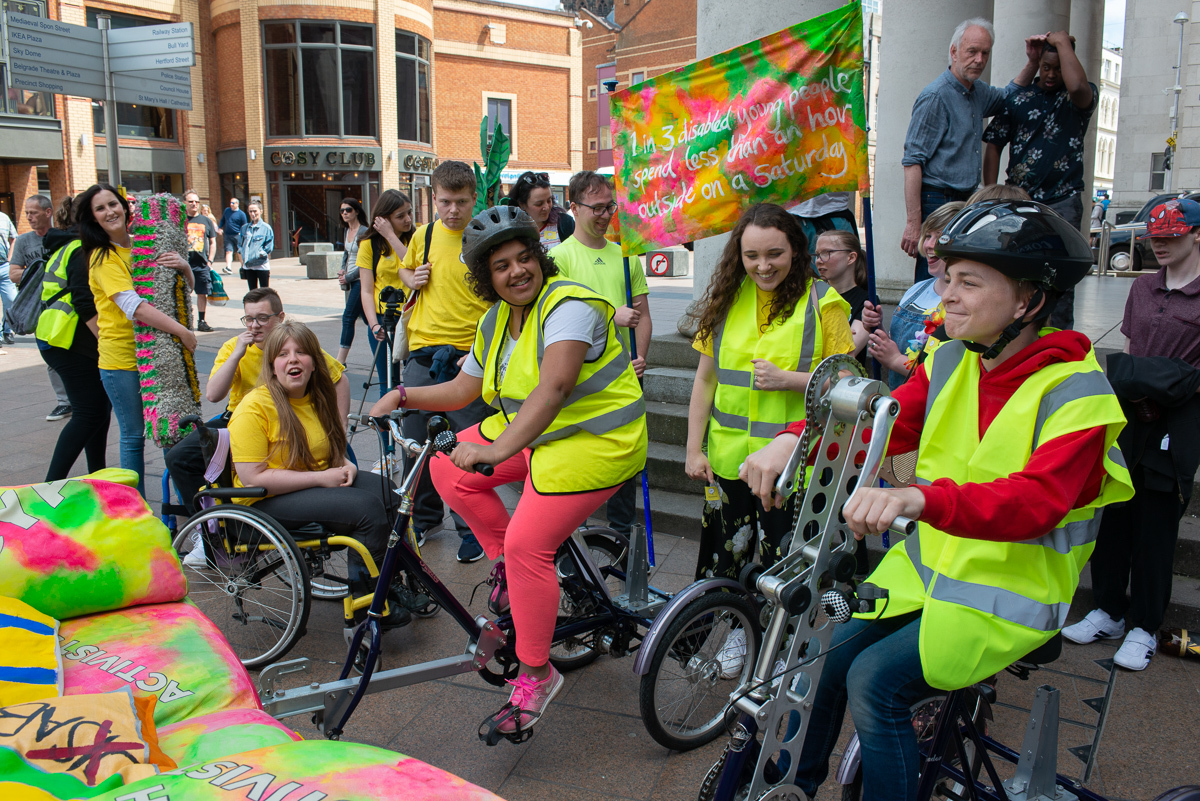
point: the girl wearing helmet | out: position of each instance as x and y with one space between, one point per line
570 423
1016 428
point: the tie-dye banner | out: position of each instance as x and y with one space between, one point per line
778 120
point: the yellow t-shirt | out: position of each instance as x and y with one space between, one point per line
387 272
601 270
446 310
110 274
247 376
254 430
835 327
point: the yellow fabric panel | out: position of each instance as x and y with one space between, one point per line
30 666
110 274
835 327
247 375
254 429
447 311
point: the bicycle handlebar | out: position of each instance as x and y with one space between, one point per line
484 468
903 526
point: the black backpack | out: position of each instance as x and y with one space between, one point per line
23 313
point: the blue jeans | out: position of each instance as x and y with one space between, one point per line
351 314
8 294
383 367
125 394
906 322
931 201
878 673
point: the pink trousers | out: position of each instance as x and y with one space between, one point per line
527 540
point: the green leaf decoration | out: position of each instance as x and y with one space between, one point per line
480 191
483 142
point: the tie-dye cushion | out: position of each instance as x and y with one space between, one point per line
171 651
311 769
74 547
209 737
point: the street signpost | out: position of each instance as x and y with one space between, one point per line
145 65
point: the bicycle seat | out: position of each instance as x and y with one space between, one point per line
1046 653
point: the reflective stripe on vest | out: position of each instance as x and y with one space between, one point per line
742 418
57 322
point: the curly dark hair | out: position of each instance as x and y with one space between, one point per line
729 273
479 272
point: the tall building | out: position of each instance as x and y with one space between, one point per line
299 105
1106 119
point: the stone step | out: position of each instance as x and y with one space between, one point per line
671 512
668 384
667 422
673 350
665 465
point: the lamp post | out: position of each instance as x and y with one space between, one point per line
1182 20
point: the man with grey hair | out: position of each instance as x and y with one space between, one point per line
39 213
943 150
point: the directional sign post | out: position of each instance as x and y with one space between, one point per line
129 65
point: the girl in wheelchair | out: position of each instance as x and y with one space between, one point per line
287 437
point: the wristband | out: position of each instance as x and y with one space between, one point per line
403 395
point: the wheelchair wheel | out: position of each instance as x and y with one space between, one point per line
258 596
326 587
576 599
683 696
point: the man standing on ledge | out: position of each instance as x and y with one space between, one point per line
943 148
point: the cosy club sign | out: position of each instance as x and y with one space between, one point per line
325 158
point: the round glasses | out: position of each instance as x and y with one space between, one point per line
261 319
823 255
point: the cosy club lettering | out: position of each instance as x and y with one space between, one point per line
318 158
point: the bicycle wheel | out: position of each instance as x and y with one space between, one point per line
258 595
683 696
577 600
924 720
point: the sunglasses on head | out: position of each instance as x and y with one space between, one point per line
536 177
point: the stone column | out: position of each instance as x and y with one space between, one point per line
385 56
253 93
720 26
914 51
1014 21
195 137
1087 26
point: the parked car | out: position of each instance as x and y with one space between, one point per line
1125 251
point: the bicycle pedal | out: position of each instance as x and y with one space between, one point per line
489 729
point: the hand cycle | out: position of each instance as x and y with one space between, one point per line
603 609
854 417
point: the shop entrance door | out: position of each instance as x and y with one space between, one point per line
312 211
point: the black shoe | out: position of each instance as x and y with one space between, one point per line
397 616
60 411
10 339
470 550
203 326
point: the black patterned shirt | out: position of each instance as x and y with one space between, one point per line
1044 132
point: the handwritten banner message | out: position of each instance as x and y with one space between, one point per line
778 120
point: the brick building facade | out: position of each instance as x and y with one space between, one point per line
298 104
639 40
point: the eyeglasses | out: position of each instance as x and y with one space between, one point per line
823 255
261 319
347 210
600 208
535 177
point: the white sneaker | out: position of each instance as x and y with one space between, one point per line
778 671
195 557
1096 626
1135 652
732 655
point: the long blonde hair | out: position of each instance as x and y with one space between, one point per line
293 441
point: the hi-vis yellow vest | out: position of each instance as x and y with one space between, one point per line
598 439
745 419
986 604
56 324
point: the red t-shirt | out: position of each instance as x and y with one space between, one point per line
1026 504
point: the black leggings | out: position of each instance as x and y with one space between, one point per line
356 511
87 428
256 278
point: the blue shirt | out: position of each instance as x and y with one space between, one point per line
232 222
1044 132
946 130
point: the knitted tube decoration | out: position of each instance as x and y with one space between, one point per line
170 389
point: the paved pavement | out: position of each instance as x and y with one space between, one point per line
592 744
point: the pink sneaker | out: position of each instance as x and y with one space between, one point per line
498 597
531 697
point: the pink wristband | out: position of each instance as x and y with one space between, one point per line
403 395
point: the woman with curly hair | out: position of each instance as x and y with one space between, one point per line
288 437
765 323
570 424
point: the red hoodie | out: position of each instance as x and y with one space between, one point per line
1027 504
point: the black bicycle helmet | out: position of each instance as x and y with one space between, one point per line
1025 240
492 226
